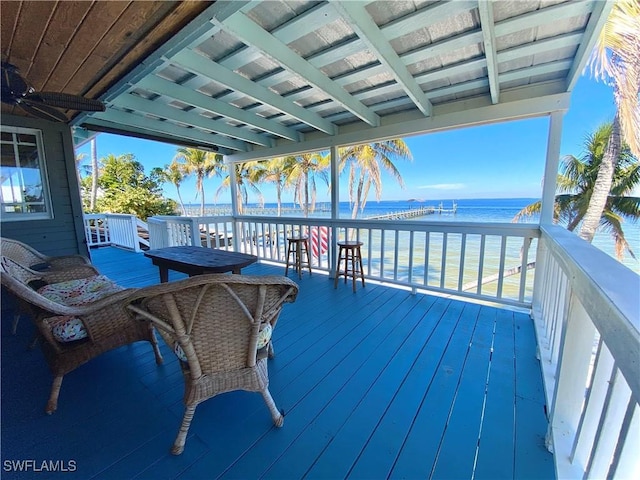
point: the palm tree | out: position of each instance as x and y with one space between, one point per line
276 171
576 184
616 58
303 178
79 160
174 173
247 179
201 164
366 162
94 174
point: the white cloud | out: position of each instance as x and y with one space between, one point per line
444 186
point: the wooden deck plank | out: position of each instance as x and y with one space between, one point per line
456 455
306 392
531 455
320 431
495 458
418 455
380 447
380 383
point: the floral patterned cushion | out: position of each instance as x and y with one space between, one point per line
177 349
264 335
74 293
66 328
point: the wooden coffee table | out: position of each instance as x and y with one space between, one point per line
197 260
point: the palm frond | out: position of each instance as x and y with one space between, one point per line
612 223
528 211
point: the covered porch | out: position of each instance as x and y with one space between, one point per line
381 383
385 382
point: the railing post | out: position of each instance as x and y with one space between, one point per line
572 371
134 233
237 230
195 232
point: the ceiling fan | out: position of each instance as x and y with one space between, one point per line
16 91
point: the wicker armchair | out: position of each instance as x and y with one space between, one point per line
216 325
104 323
25 255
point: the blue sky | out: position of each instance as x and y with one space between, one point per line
494 161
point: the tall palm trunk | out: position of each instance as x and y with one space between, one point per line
279 197
602 185
201 190
306 194
94 175
184 210
358 197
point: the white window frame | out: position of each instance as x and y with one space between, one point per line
22 216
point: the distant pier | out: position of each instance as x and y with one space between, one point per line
404 214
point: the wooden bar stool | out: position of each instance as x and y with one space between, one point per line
299 248
349 250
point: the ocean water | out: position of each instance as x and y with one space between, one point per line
499 210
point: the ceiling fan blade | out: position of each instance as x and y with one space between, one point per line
66 101
42 111
12 83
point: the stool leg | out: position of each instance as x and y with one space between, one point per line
353 269
299 259
306 252
335 280
346 265
361 268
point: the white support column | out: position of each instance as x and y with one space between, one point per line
551 167
335 204
237 237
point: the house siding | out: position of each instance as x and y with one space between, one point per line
64 233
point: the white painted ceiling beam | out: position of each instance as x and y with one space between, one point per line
425 17
252 34
543 69
543 16
99 125
319 16
402 26
471 65
200 100
546 68
194 62
192 119
158 127
554 43
370 34
522 104
485 9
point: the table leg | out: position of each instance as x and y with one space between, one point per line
164 274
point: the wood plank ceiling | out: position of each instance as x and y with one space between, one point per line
84 47
256 79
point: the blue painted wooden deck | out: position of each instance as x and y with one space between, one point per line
376 384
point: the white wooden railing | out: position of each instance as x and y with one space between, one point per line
475 260
586 310
115 229
211 232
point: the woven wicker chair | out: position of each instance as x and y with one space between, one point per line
25 255
214 324
107 322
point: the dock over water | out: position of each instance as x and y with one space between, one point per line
414 213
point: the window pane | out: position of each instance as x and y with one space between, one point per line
23 188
